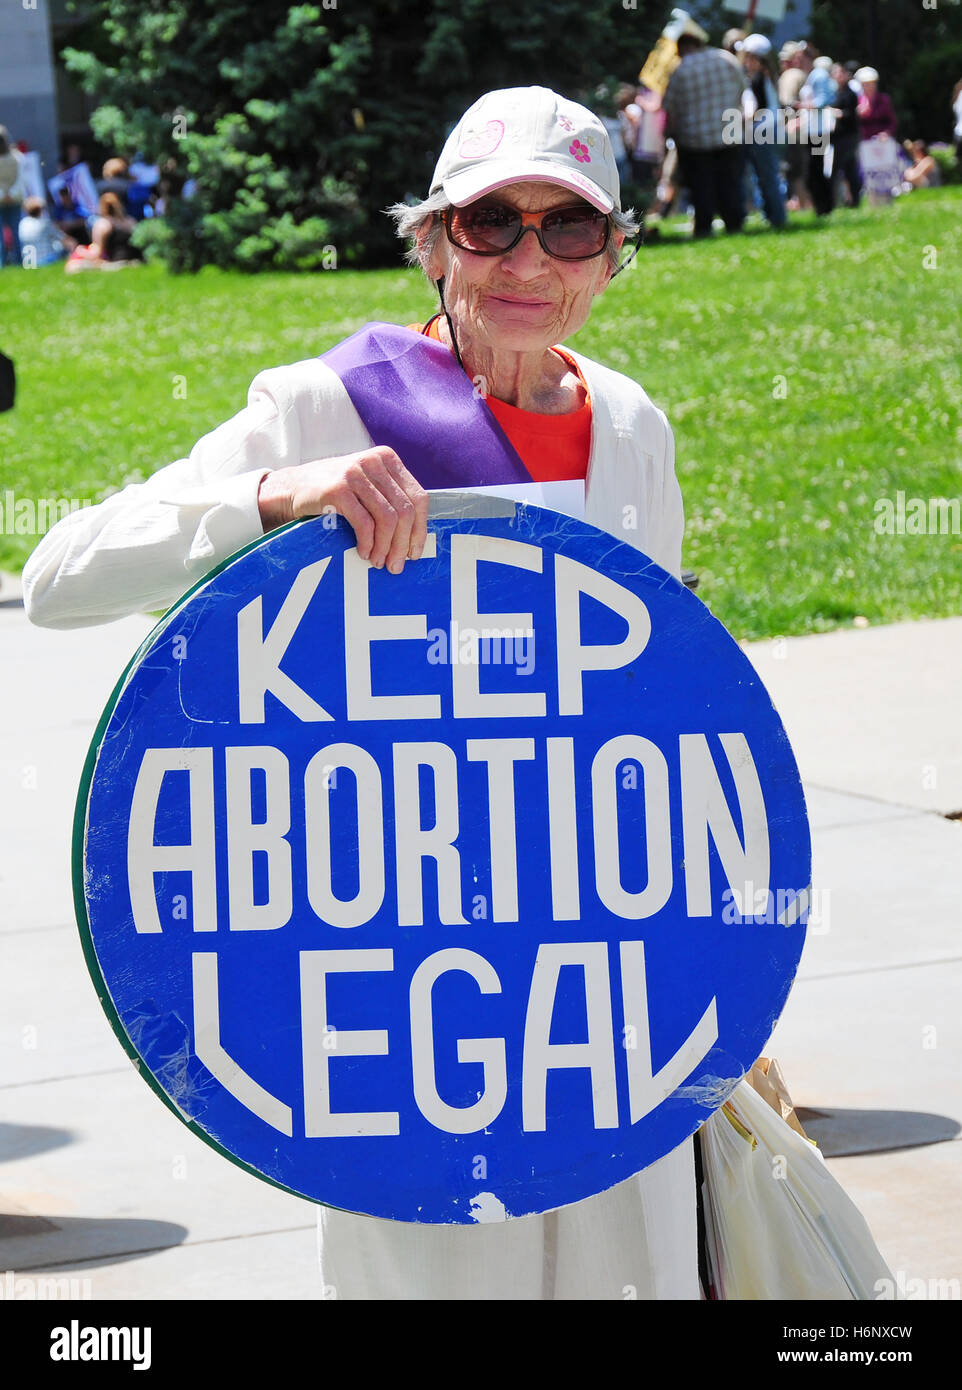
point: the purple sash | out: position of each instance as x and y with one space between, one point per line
412 395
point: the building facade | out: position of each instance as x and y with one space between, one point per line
39 104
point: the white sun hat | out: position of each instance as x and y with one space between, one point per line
866 75
756 44
522 134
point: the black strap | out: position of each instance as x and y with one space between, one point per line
703 1270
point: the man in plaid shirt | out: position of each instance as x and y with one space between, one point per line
707 84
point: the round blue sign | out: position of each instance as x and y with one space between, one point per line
452 896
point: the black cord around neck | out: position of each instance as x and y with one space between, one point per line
635 248
444 309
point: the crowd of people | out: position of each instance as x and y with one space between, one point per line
88 223
736 127
743 127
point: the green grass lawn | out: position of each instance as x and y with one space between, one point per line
806 376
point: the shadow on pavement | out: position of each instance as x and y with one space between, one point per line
37 1242
16 1141
841 1133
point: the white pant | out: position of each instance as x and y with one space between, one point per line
637 1240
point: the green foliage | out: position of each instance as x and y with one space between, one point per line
948 162
716 20
301 123
927 85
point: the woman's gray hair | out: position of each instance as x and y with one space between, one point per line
412 219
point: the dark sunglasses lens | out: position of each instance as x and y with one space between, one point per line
485 228
574 234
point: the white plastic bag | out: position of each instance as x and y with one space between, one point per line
778 1224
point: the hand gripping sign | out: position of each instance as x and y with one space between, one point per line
451 896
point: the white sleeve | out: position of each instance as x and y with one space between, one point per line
666 513
143 547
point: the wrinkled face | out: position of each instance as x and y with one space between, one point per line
523 300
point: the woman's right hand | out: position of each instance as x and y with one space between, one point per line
372 490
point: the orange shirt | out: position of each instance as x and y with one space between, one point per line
552 447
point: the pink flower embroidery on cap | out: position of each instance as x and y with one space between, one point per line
580 152
565 123
479 143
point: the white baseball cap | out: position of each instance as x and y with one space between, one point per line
523 134
866 75
755 43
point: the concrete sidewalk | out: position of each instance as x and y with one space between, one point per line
871 1036
99 1182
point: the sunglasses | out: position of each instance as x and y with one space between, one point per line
576 233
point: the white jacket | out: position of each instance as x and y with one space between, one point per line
142 548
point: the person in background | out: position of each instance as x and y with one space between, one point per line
666 192
11 198
923 171
795 68
171 185
846 134
645 121
957 113
142 189
815 105
792 76
733 37
852 67
880 156
39 235
703 90
110 246
110 233
610 111
761 151
68 218
116 179
874 107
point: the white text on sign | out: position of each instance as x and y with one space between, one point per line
414 862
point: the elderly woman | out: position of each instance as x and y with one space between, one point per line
875 108
521 230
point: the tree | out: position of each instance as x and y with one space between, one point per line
300 123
